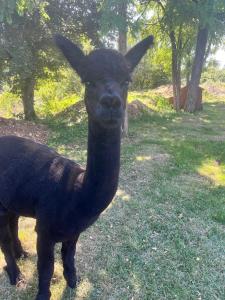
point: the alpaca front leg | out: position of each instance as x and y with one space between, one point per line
13 225
7 249
45 265
68 253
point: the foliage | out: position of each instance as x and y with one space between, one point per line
53 96
162 103
213 73
179 23
26 44
66 81
111 19
50 104
27 39
149 76
8 8
162 57
155 68
10 105
26 28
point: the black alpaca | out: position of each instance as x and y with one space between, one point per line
65 199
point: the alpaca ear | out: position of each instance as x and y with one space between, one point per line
135 54
73 53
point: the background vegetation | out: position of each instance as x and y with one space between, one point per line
185 36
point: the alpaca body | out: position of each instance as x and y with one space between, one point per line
50 188
65 199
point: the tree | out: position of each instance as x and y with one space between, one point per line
122 47
117 20
189 25
114 24
173 18
26 32
193 86
211 19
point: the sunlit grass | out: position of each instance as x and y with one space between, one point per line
213 170
151 99
143 158
84 289
123 195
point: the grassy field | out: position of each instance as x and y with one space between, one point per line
163 236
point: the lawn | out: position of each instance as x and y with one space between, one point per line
163 236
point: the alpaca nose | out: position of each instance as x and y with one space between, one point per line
110 101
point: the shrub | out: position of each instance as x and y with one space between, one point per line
50 99
10 105
55 94
162 103
149 76
213 74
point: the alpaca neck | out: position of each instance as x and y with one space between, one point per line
103 163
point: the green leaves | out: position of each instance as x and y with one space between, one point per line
112 18
25 5
43 10
6 10
26 30
9 7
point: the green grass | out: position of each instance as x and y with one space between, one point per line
163 236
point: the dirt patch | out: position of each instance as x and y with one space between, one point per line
75 112
215 89
217 138
136 108
37 132
161 157
164 90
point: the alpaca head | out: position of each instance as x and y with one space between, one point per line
106 74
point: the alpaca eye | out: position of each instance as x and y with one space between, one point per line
90 84
125 83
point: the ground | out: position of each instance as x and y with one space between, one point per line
37 132
162 237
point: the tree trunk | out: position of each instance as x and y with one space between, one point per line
193 88
122 46
176 78
28 99
122 41
188 71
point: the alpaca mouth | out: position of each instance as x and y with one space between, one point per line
110 117
111 121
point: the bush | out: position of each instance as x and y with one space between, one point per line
149 76
213 74
54 95
10 105
162 103
51 99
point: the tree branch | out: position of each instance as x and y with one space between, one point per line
144 10
161 5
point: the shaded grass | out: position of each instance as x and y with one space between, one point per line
163 235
